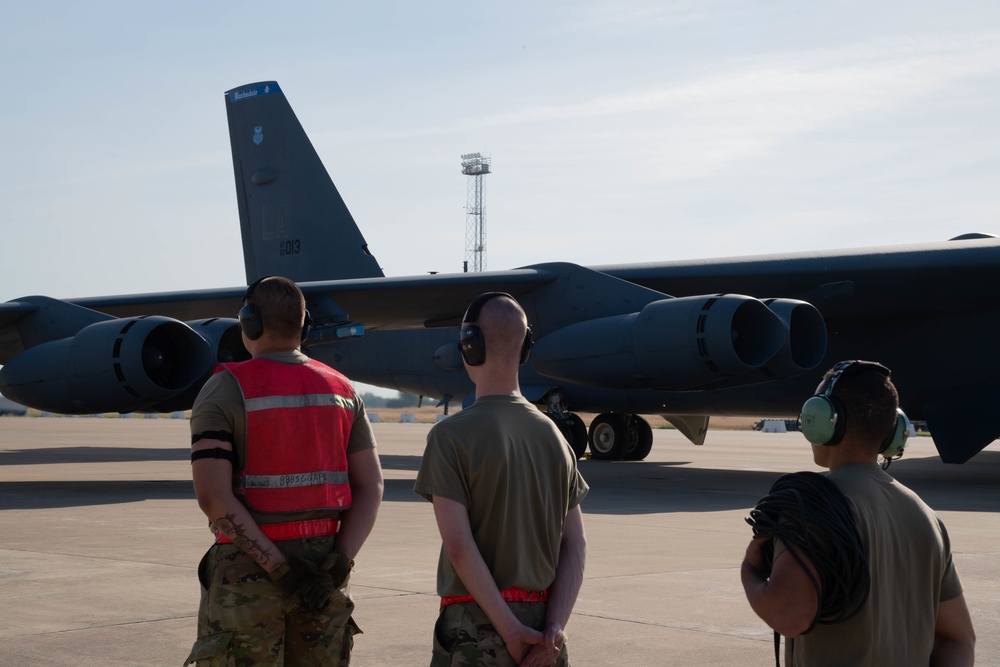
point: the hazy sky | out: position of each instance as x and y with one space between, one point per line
619 131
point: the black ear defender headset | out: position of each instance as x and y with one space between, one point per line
252 324
471 343
823 419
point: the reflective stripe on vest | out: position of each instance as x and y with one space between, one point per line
299 419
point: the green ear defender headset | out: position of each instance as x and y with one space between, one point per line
823 419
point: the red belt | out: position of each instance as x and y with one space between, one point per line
292 530
512 594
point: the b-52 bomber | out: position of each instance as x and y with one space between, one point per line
684 339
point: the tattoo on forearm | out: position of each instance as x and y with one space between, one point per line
237 533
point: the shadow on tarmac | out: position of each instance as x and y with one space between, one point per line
621 488
400 462
20 457
56 494
625 488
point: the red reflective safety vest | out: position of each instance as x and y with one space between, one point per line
299 419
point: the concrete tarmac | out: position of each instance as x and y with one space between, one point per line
100 536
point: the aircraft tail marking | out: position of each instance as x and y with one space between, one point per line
293 220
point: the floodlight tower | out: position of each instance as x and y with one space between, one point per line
475 166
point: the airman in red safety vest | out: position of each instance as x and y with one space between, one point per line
285 468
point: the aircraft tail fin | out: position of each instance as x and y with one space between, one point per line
294 222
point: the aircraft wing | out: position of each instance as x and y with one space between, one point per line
932 280
926 280
950 277
377 303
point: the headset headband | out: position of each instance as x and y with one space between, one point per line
472 312
252 286
852 367
251 322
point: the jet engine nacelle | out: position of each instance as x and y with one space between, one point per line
803 350
670 344
223 336
118 365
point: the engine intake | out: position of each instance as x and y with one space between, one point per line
223 336
806 343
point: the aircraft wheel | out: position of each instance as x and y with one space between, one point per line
640 437
608 436
575 432
578 441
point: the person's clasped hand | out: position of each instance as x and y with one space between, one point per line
304 578
546 653
339 566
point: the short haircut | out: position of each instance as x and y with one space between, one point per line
504 324
870 400
282 306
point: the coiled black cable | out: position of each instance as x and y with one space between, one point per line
811 516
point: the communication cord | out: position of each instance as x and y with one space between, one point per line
812 517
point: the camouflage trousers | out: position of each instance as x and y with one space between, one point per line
464 636
245 620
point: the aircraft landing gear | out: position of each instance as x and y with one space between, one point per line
613 436
570 425
620 437
608 436
640 437
575 432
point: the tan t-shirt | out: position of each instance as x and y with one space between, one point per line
909 556
509 465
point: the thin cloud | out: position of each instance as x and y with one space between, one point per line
771 96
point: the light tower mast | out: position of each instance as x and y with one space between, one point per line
475 166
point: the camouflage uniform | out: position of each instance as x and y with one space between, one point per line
245 620
464 636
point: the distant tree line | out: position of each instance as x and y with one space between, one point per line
399 401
